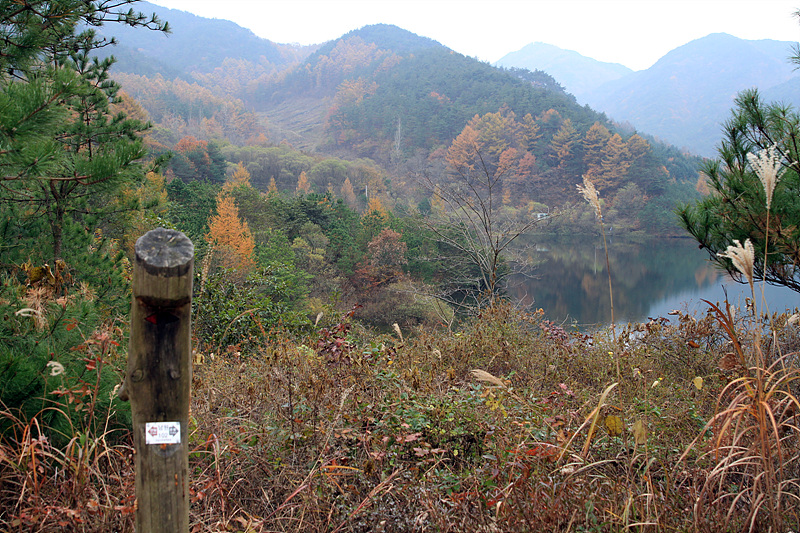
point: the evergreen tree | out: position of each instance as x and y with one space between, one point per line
748 202
68 165
63 153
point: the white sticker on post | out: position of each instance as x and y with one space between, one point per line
162 432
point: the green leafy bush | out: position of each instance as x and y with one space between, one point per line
238 314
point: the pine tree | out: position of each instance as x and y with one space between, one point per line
751 201
63 152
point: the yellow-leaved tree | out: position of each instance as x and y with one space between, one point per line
151 198
240 177
303 185
231 244
348 194
272 190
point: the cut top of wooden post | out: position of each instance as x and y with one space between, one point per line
164 251
164 261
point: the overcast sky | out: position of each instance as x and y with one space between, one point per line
635 33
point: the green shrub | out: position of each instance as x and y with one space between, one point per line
59 362
238 314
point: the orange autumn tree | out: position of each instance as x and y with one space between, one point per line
230 241
303 185
498 145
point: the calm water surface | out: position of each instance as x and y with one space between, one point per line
649 279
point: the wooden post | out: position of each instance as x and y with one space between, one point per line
159 377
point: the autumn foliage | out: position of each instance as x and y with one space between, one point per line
229 238
386 255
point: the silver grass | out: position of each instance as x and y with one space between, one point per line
767 166
396 328
742 257
590 194
486 377
55 367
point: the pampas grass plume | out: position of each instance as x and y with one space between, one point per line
742 257
589 192
767 166
486 377
396 328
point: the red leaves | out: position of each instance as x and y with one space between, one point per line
333 344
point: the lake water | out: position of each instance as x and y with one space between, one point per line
649 280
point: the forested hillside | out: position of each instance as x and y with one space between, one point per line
395 101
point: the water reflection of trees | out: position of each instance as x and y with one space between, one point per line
571 282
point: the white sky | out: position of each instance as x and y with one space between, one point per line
635 33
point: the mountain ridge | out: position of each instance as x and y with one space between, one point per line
182 51
687 94
576 72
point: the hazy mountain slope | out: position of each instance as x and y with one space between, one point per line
575 72
377 75
689 92
195 44
787 92
133 61
405 108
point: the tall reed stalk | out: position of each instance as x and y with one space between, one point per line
589 192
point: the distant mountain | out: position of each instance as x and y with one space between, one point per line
196 44
578 74
379 74
787 92
686 96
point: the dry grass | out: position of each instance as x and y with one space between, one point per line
506 425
